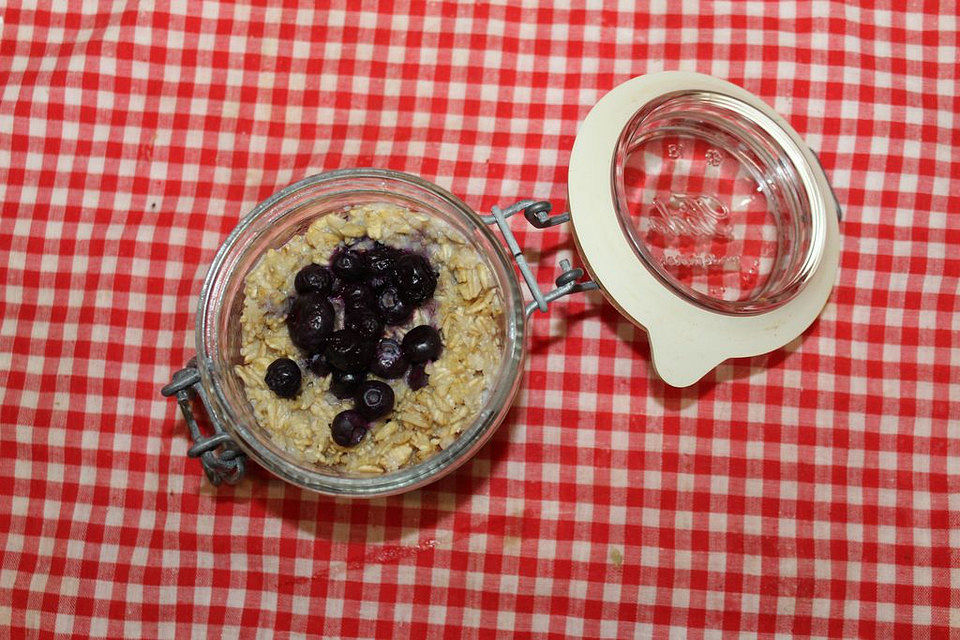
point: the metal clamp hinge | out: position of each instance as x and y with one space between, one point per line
537 213
222 460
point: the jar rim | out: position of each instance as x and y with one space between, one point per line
466 444
749 128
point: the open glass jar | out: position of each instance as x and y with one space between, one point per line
697 210
271 224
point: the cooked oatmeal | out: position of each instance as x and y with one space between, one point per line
466 309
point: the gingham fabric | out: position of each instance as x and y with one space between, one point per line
813 491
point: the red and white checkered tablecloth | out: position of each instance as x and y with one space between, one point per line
814 491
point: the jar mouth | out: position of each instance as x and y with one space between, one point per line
269 225
718 202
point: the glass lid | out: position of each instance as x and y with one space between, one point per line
713 204
703 217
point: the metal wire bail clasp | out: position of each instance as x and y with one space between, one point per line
537 213
218 453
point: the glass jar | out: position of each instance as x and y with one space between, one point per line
271 224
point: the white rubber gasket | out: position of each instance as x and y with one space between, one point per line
686 340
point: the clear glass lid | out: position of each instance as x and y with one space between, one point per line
715 202
703 217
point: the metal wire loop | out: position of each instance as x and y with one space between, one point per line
537 213
219 455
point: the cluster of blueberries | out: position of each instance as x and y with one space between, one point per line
378 287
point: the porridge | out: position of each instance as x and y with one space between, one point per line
370 342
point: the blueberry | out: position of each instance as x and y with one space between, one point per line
379 263
283 377
421 344
364 322
391 307
348 351
415 278
380 282
348 428
344 384
382 259
349 265
388 360
374 399
317 363
418 377
310 321
356 294
313 278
